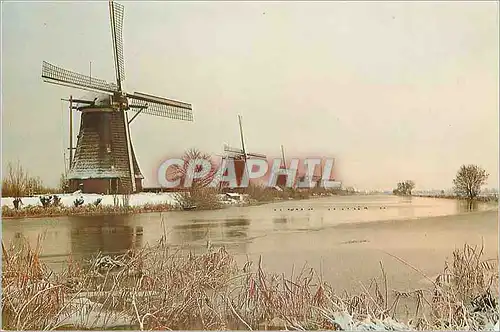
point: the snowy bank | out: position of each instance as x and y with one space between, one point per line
135 200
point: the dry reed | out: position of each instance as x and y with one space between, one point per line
157 287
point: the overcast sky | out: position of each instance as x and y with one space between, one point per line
393 90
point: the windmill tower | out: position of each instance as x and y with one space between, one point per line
282 179
240 156
104 160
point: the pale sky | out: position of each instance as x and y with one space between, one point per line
393 90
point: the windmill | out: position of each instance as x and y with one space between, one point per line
104 160
240 156
282 179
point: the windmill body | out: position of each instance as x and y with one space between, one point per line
239 158
101 162
104 160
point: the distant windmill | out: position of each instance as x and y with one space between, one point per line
240 156
104 160
281 180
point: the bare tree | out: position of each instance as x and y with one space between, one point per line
34 185
469 180
63 183
181 172
200 195
15 183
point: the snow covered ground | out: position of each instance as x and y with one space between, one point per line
139 199
68 199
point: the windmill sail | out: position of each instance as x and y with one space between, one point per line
257 155
158 106
104 158
229 149
239 152
57 75
116 12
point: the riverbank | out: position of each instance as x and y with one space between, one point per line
88 210
159 288
482 199
103 205
97 205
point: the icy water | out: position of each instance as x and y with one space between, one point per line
345 238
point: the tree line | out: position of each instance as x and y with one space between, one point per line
18 182
466 184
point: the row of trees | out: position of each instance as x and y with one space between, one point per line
18 182
467 183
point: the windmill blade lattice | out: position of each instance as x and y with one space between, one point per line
227 148
116 16
257 155
160 107
58 75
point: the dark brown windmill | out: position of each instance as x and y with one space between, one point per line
240 156
104 160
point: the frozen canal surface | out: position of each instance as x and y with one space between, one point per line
344 237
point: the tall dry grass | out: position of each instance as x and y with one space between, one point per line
261 193
199 197
160 288
471 297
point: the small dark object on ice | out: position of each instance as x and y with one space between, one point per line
98 201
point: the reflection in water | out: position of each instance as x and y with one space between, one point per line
405 199
280 223
192 231
241 230
467 206
227 232
16 241
236 228
109 234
